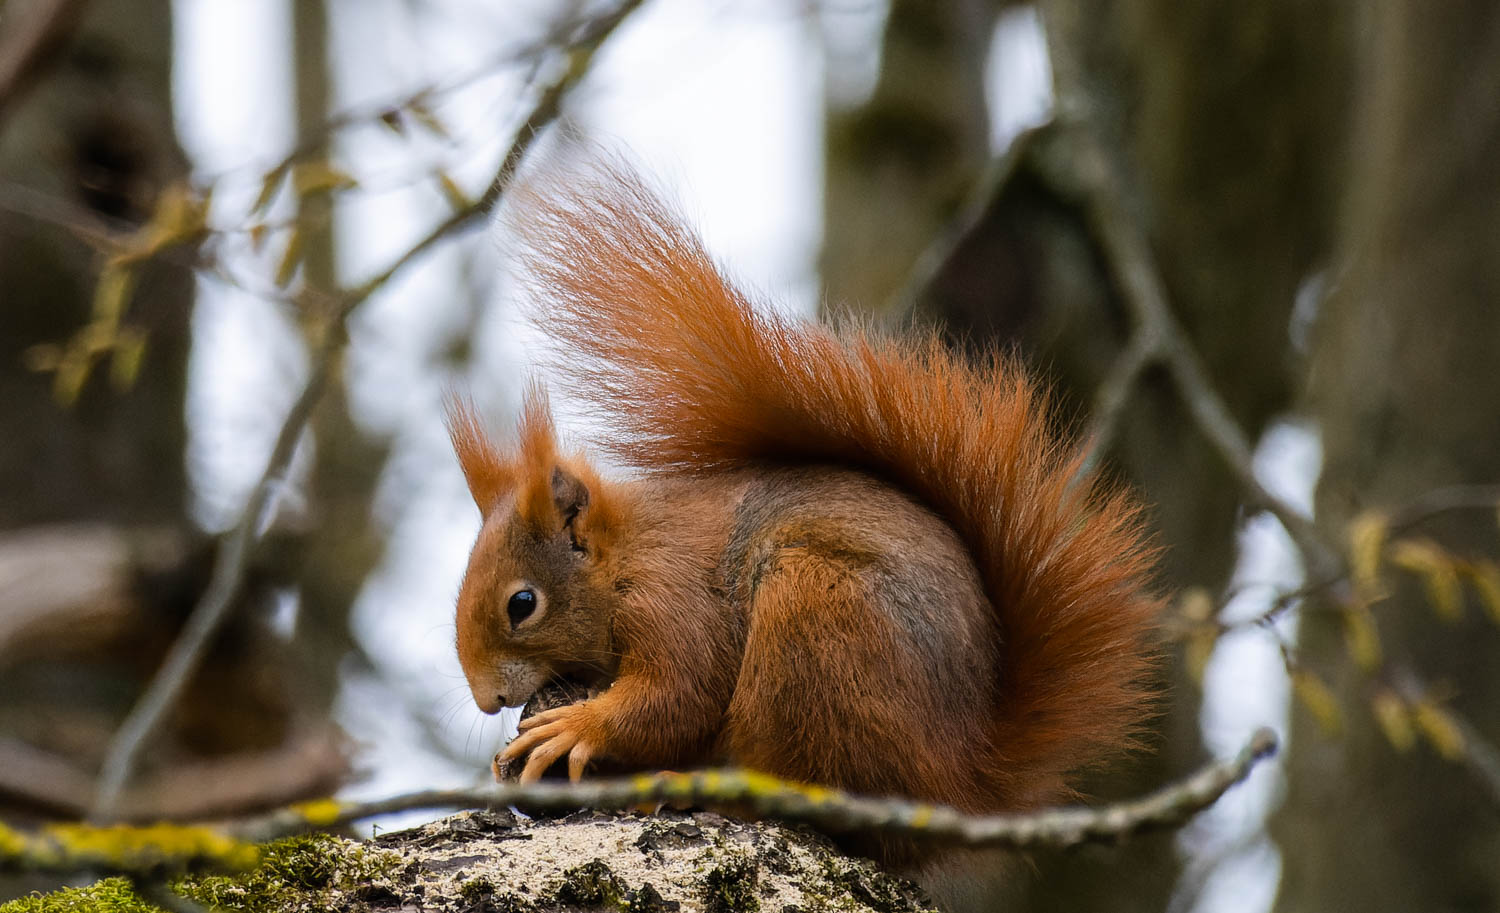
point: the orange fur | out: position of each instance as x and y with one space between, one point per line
486 474
819 622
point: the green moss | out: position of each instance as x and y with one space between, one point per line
109 895
729 887
877 890
591 885
292 873
290 870
649 900
847 887
510 903
475 890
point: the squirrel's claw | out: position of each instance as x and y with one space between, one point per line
546 716
547 737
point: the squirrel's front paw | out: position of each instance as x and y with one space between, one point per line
572 730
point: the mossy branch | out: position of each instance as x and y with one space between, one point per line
152 856
740 792
153 852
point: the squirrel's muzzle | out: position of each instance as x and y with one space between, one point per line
510 682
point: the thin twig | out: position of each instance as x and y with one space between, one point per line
931 261
1128 254
238 546
1444 500
104 234
823 808
1159 337
1112 397
1479 756
1426 506
368 113
580 55
213 607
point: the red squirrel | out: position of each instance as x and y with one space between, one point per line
842 558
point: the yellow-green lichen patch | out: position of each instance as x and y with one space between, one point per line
319 812
170 846
154 850
12 843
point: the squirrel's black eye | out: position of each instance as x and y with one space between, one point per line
522 603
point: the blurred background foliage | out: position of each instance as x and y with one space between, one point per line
1310 189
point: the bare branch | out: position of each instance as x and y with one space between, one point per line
1158 336
1426 506
238 546
1112 397
824 808
1478 755
1078 168
1440 501
930 263
1128 254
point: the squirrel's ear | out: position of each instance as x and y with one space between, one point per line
537 459
570 495
489 476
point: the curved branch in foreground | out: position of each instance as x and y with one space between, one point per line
155 851
239 545
826 809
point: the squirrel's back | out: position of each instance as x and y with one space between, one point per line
689 377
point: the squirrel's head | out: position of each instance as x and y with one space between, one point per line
533 605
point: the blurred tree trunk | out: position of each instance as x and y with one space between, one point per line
1224 122
100 561
901 163
1405 389
342 545
90 145
100 565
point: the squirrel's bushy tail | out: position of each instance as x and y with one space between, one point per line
689 376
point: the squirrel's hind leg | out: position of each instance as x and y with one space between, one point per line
832 691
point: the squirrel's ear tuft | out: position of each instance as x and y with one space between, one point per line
556 494
570 494
537 459
489 476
